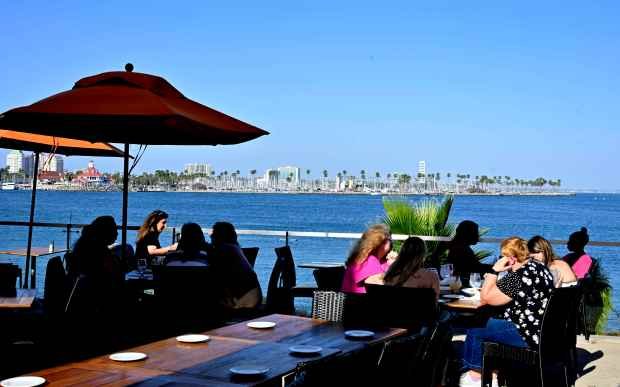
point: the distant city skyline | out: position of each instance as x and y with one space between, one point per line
512 88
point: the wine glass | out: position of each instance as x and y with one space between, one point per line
475 280
141 266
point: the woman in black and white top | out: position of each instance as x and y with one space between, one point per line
524 291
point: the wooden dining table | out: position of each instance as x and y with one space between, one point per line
23 299
170 362
35 252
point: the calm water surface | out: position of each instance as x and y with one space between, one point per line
552 217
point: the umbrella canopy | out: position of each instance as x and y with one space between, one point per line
131 108
40 143
66 146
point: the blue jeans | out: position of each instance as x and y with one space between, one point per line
497 331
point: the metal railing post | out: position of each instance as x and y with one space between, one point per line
286 239
68 229
174 235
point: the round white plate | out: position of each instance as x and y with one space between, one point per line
23 381
261 324
453 296
305 349
128 356
359 334
249 370
193 338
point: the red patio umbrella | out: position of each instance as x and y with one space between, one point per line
38 143
129 108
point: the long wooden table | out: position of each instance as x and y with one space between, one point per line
170 362
23 299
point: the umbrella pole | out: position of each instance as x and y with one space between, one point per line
125 199
35 172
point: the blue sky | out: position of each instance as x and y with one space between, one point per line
497 88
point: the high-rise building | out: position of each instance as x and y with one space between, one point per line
421 178
271 177
15 161
291 173
28 164
52 163
198 168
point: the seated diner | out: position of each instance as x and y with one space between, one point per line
408 269
191 250
541 250
523 291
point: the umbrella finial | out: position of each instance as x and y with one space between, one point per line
129 67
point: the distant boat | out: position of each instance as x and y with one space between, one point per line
374 193
9 186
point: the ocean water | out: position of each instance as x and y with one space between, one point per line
554 217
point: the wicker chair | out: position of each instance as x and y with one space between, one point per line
328 305
557 345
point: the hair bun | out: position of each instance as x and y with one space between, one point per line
584 230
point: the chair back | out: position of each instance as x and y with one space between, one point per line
9 273
329 278
281 282
559 325
402 307
56 288
250 254
328 305
400 360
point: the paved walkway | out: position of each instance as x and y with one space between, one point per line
599 360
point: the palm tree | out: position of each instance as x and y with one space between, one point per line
377 177
308 175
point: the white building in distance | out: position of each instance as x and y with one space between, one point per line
421 176
52 163
289 172
15 161
198 168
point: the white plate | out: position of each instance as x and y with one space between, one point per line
193 338
470 291
453 296
128 356
249 370
23 381
358 334
261 324
305 349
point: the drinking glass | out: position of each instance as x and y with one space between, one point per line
141 263
474 280
446 270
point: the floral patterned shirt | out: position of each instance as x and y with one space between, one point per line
530 288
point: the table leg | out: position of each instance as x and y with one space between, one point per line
33 272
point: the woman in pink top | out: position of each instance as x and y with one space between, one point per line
578 260
367 258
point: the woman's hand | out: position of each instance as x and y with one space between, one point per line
504 264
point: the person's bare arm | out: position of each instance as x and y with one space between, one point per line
490 293
376 279
153 250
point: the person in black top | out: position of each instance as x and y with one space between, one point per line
192 248
147 243
461 255
524 292
237 280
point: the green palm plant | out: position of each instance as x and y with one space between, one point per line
428 217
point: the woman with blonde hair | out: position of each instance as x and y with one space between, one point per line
147 243
524 292
367 258
540 249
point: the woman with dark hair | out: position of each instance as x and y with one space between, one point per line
407 270
237 279
92 261
541 250
578 259
147 243
191 249
460 253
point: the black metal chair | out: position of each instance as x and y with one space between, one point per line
9 274
282 287
250 254
402 307
329 278
557 346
